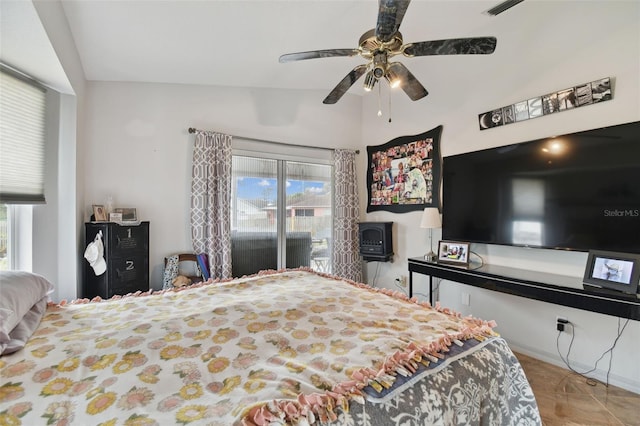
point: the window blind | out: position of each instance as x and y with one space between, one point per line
22 139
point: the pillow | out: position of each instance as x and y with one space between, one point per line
20 292
25 328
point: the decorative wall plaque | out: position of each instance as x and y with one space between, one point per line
562 100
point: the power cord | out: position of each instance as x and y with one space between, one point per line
479 257
375 276
591 381
415 293
397 284
435 291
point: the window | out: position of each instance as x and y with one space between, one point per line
281 214
22 162
22 139
304 212
16 238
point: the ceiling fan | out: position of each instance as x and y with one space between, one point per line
382 43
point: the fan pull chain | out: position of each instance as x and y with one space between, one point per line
390 104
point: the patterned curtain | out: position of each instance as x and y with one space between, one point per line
346 257
211 200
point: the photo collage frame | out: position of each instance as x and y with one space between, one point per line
404 174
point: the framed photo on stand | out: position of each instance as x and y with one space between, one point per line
453 253
99 213
128 215
613 270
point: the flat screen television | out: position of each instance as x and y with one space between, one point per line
579 191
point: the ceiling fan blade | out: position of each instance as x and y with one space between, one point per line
453 46
345 84
390 15
315 54
409 83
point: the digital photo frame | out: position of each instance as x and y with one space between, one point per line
613 270
453 253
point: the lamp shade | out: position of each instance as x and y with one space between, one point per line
430 218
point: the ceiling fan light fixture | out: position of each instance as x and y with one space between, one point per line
369 81
379 45
378 71
393 79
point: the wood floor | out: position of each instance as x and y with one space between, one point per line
565 398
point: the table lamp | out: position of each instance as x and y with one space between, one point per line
430 220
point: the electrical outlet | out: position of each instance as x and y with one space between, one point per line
465 299
403 281
561 322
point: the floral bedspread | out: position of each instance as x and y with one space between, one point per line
292 347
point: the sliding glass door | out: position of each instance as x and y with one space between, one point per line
281 214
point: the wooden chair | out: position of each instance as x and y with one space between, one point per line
188 257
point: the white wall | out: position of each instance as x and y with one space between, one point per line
528 325
56 227
138 148
45 236
53 227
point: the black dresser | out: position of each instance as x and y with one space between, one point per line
126 252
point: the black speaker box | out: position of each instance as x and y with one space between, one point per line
376 241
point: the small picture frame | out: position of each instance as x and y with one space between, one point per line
613 270
115 217
454 253
99 213
128 214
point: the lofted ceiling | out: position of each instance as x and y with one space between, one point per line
238 42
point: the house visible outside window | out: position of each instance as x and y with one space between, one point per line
281 214
22 162
304 212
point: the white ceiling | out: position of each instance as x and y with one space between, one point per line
237 43
24 45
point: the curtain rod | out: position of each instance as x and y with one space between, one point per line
357 151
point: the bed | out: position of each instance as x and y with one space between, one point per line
280 347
